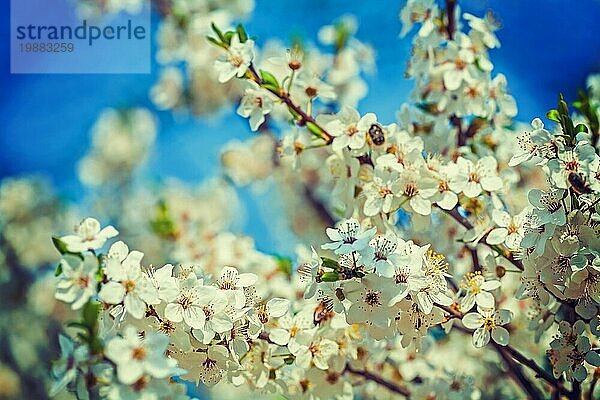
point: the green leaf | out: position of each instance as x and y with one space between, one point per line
59 270
269 81
60 245
330 277
90 313
314 129
217 31
329 263
581 128
228 36
242 33
553 115
284 264
563 108
216 42
162 224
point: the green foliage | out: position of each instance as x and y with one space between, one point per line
88 325
162 224
584 105
269 81
223 39
561 116
329 263
284 264
330 277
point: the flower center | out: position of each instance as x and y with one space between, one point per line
474 177
166 327
373 298
384 191
235 60
83 281
472 91
228 285
411 190
129 285
208 311
512 228
460 64
332 377
185 302
443 186
489 323
313 348
351 130
572 165
138 353
209 363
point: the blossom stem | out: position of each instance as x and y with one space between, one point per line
379 380
302 117
475 259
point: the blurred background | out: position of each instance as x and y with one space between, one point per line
550 46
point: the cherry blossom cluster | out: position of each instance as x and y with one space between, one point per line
560 237
151 319
456 96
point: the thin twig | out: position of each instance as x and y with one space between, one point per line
379 380
539 371
319 207
303 117
514 353
516 372
465 222
450 11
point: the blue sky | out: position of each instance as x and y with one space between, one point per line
548 46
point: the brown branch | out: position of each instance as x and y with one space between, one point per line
531 364
516 372
513 353
302 117
379 380
365 374
465 222
475 259
319 207
450 12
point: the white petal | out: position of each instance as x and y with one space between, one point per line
472 320
496 236
112 293
500 335
280 336
277 307
485 299
481 337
